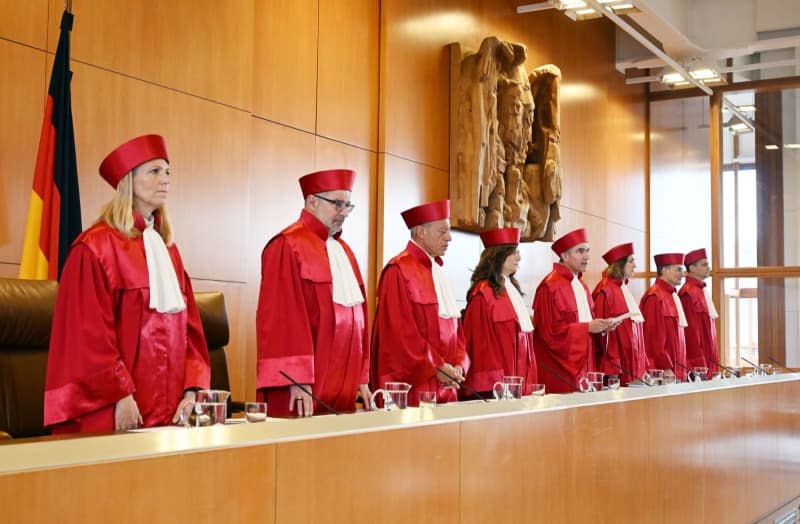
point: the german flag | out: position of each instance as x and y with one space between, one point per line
54 211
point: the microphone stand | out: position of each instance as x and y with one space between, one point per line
309 393
461 384
628 372
560 378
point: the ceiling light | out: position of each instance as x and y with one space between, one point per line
682 83
791 146
582 14
623 9
739 127
748 108
771 147
571 4
671 78
703 74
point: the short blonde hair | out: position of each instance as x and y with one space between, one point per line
118 212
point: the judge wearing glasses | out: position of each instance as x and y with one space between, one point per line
311 322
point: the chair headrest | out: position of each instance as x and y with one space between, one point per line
211 305
26 312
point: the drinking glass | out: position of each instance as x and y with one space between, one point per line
427 399
255 411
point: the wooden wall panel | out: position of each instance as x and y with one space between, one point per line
406 475
193 487
725 444
208 145
518 459
25 22
347 93
788 443
200 47
762 428
675 487
22 99
285 62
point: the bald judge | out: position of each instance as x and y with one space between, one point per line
311 322
562 316
417 328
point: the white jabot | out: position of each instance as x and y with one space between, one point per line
165 293
681 315
712 309
525 324
584 312
633 306
444 295
346 290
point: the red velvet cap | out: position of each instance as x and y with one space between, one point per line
501 236
328 180
425 213
618 252
131 154
693 256
668 259
571 239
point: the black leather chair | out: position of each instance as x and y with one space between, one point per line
26 316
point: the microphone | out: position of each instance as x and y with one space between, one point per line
309 393
689 372
560 378
628 372
461 384
723 366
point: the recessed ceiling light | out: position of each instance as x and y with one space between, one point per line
746 107
671 78
704 74
771 147
791 146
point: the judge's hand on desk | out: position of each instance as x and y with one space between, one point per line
366 397
126 414
185 407
300 401
454 371
599 325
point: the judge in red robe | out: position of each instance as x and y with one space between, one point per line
562 317
621 350
417 327
311 321
664 322
127 347
497 325
701 314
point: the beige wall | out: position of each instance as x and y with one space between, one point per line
251 94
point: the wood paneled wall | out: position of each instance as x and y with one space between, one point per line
253 94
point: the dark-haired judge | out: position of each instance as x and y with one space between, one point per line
498 329
621 350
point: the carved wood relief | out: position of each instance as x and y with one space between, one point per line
505 161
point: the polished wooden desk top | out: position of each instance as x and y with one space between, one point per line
58 453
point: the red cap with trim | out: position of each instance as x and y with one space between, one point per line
668 259
501 236
618 252
571 239
693 256
131 154
328 180
425 213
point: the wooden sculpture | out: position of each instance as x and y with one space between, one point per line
505 167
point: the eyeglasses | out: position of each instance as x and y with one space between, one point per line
340 205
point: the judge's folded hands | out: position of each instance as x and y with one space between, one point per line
450 372
126 414
600 325
185 407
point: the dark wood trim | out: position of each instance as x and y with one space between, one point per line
715 165
772 84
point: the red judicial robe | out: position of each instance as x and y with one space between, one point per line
107 343
664 339
701 333
300 330
496 345
409 338
622 348
563 346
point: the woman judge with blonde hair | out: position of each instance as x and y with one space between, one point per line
621 351
497 323
127 347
